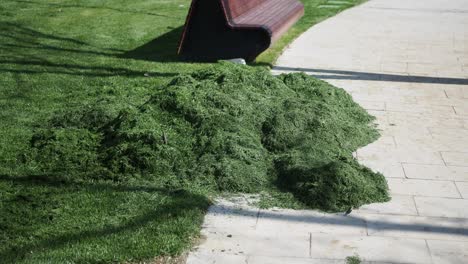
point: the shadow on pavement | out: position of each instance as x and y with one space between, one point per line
337 219
326 74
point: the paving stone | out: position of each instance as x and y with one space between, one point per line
455 158
419 108
389 169
442 207
424 93
382 97
446 101
425 69
386 141
450 70
457 91
450 139
436 143
306 221
209 257
378 114
407 134
435 172
417 227
394 67
382 249
398 205
463 188
371 105
406 154
448 252
423 188
460 134
234 214
423 120
280 260
258 243
461 110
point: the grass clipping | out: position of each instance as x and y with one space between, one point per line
227 128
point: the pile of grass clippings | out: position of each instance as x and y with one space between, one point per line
227 128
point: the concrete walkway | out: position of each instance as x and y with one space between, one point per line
406 62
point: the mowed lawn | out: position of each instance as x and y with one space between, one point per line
59 54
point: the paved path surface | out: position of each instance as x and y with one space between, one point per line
406 61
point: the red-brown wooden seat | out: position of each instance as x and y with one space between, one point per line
226 29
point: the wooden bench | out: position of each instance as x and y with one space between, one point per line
227 29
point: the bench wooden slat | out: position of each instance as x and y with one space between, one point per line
225 29
274 14
239 7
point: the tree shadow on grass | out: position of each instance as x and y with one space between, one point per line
26 53
178 203
97 7
76 69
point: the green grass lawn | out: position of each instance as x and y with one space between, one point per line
61 54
